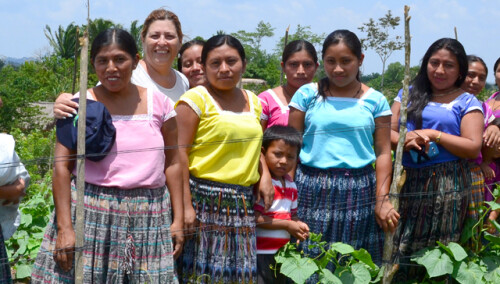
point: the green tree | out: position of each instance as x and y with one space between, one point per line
63 40
98 25
2 63
260 64
301 32
135 30
393 78
379 39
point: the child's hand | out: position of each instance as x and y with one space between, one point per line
13 192
298 229
488 172
493 216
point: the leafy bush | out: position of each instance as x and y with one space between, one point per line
351 266
35 150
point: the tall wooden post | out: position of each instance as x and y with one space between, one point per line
286 42
80 163
399 174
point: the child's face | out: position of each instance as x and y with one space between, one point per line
280 158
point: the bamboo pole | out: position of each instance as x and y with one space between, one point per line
80 163
75 61
456 34
286 42
399 175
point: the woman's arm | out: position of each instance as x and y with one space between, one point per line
13 192
64 106
396 110
173 170
468 144
61 190
296 119
187 123
387 218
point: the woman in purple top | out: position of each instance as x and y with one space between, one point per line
435 196
300 62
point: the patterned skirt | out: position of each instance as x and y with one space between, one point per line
127 238
5 276
476 193
340 204
433 207
224 249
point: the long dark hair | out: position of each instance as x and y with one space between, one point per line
351 41
298 45
219 40
421 92
113 36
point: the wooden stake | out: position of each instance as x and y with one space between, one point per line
286 42
456 34
399 175
80 163
75 61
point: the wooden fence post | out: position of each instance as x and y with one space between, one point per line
399 175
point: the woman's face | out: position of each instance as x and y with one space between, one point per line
299 69
161 44
114 67
476 78
191 66
497 76
341 65
443 71
224 67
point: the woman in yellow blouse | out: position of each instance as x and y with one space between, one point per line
220 124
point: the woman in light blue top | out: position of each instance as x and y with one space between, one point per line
346 128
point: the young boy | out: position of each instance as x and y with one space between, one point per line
280 146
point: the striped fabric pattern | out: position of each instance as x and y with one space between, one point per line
223 250
114 221
5 277
340 204
283 208
476 197
433 207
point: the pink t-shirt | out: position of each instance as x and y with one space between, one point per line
273 110
137 158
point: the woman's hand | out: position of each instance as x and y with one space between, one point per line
177 232
64 106
190 221
416 139
493 217
65 248
12 193
386 216
491 136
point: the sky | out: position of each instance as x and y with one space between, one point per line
22 22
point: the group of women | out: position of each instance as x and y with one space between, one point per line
199 189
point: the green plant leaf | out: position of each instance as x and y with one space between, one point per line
341 248
492 262
467 273
361 273
492 238
379 275
495 224
23 271
493 276
26 219
326 276
467 231
364 256
299 270
493 205
345 275
436 262
458 251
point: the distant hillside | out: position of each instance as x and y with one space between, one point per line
15 61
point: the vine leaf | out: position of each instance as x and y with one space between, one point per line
364 256
492 238
327 277
299 270
436 262
454 250
467 273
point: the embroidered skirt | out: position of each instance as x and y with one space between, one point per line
5 276
476 193
340 204
433 207
223 250
127 238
